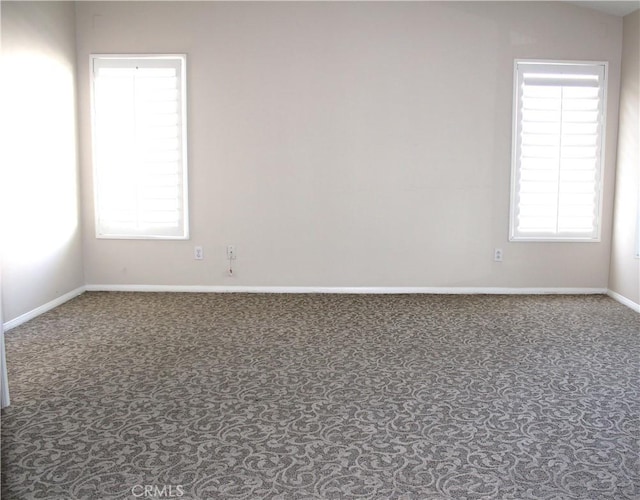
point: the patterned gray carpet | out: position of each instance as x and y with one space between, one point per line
198 396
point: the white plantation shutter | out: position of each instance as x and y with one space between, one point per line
558 147
139 112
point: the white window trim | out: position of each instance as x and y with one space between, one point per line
515 129
184 146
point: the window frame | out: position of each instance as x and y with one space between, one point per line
182 58
514 236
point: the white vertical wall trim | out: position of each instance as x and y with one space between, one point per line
43 308
4 382
5 400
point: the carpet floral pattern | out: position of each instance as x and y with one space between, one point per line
250 396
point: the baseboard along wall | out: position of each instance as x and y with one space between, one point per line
23 318
310 289
352 290
623 300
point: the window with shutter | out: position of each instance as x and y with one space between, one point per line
139 146
557 151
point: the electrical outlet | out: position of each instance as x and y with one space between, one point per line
497 254
231 252
198 253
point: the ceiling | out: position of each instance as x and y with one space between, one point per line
616 8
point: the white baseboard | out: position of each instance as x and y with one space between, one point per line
23 318
315 289
623 300
331 289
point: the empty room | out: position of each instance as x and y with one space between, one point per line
320 250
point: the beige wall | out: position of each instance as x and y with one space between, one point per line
349 144
41 243
625 268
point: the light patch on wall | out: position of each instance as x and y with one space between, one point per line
39 156
518 38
